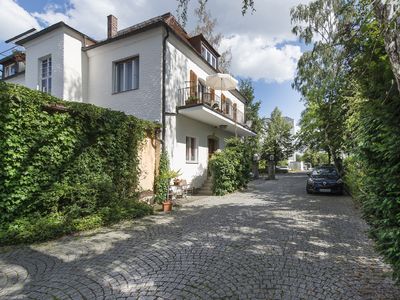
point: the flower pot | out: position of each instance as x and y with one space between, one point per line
167 206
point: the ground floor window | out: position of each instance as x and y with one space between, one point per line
191 150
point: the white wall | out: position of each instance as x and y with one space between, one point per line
194 173
19 79
49 44
65 48
145 102
180 60
73 69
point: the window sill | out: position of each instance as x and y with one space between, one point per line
192 162
115 93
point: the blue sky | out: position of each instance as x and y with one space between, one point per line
262 45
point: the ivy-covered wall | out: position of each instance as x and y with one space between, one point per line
66 158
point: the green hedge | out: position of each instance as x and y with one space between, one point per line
231 167
64 164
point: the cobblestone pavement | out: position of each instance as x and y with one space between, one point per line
271 242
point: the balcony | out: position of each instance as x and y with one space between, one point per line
209 108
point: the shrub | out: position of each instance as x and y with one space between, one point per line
230 167
37 229
63 162
162 182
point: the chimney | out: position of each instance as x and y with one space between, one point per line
112 26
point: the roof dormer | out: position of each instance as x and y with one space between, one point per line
207 51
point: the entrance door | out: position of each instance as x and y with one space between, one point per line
212 146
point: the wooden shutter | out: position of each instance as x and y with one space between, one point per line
212 95
235 112
193 84
223 103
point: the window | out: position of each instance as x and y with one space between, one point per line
45 74
191 150
126 75
208 56
10 70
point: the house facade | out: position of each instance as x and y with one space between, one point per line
153 70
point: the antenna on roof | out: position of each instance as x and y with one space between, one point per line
17 37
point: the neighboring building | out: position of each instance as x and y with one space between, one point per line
13 70
153 70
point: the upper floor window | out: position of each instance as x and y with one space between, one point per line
209 57
126 75
10 70
45 74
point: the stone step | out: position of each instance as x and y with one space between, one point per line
205 193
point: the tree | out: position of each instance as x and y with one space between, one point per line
348 82
206 26
253 107
388 16
322 76
252 143
277 138
315 158
183 7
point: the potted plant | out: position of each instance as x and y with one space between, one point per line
192 100
168 175
19 55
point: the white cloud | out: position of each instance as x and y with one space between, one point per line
258 58
259 41
14 19
89 16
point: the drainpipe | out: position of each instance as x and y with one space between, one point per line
163 105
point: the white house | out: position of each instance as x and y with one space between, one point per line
153 70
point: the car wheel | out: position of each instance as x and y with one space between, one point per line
308 191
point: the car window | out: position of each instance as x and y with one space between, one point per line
325 172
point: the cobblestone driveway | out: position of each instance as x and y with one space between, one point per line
271 242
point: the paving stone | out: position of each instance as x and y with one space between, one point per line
272 241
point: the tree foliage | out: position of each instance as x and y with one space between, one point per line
349 83
64 165
277 137
183 8
206 25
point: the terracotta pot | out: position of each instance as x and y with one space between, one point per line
167 206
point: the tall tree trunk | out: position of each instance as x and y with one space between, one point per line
389 20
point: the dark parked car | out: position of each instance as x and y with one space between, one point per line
324 180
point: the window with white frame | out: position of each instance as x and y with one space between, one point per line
10 70
208 56
126 75
191 150
45 74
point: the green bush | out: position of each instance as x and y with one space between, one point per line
37 229
162 183
230 167
62 162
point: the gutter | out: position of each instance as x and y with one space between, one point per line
163 104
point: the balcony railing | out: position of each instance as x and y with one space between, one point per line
191 96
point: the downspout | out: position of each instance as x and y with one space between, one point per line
163 105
